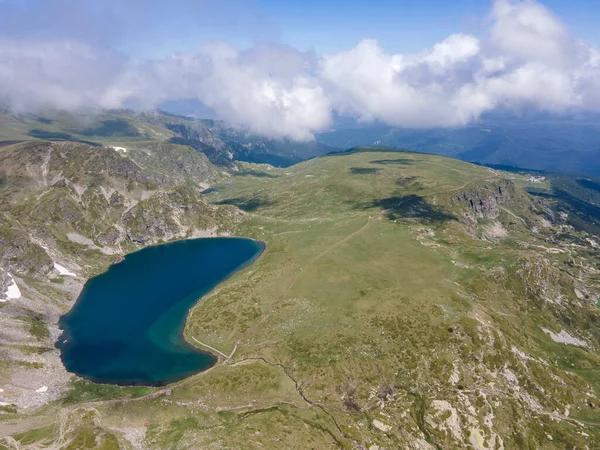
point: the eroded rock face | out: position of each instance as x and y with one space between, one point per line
484 201
202 140
110 237
19 256
5 281
565 338
167 215
94 192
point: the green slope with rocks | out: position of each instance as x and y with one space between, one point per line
221 143
68 210
404 300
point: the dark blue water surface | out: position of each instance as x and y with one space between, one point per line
127 325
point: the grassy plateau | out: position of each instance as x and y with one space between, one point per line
404 300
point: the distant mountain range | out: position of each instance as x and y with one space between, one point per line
220 142
538 143
405 300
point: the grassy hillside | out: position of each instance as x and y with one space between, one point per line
221 143
404 300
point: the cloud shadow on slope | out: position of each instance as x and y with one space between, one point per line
399 161
409 206
248 204
254 173
363 170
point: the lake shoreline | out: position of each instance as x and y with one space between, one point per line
169 342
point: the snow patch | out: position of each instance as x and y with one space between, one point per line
42 389
63 270
12 290
120 149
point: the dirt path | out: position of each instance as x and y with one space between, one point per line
48 419
513 214
215 350
265 317
347 238
323 253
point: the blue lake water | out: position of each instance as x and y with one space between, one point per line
126 327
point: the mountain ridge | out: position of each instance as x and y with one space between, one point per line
404 299
223 144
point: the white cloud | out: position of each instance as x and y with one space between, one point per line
527 59
527 31
64 74
406 90
269 90
271 94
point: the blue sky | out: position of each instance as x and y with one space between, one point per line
399 25
402 25
335 25
158 28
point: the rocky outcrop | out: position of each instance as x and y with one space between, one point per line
63 189
110 237
167 215
5 281
484 201
70 163
19 256
203 141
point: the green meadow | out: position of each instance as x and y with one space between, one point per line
401 302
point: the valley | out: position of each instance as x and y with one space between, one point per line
402 300
257 225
